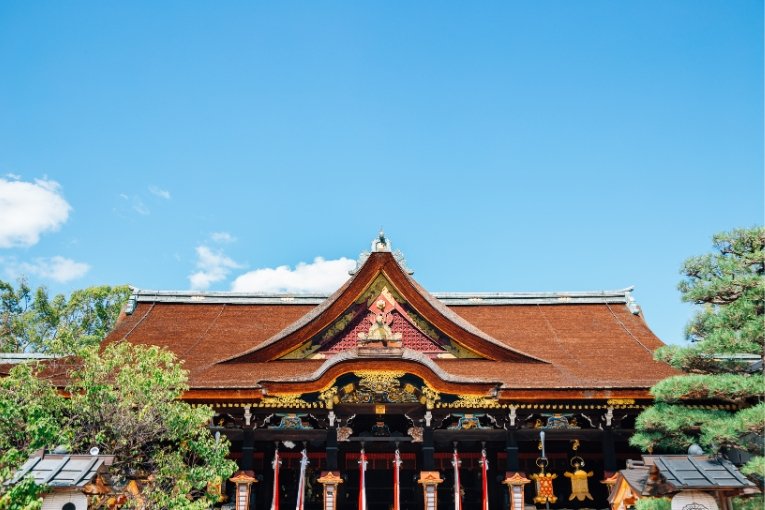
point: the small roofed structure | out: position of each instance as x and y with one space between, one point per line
69 478
696 482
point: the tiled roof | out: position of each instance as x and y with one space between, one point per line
697 472
587 345
62 470
529 341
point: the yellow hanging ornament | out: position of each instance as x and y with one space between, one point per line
543 483
579 487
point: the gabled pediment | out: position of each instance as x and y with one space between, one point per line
381 318
380 309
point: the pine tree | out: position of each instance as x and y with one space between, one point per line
722 363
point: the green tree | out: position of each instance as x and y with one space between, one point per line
30 321
30 419
729 285
124 399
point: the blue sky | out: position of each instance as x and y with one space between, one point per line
504 146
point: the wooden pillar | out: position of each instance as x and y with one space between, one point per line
495 492
243 481
331 448
429 481
330 480
516 485
511 449
248 448
609 451
428 449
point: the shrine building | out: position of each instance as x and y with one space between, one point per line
383 370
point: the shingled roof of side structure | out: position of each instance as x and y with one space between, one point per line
582 344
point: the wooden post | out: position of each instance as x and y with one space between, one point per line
609 451
248 448
428 448
330 480
331 448
430 481
511 450
516 485
243 481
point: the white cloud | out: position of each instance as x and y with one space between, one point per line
320 276
222 237
140 207
28 209
213 266
161 193
57 268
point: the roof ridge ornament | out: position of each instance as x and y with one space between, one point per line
381 243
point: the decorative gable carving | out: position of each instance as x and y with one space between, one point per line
379 322
378 311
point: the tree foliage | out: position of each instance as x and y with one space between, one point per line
729 286
30 321
653 504
29 420
122 399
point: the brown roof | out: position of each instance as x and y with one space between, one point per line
587 346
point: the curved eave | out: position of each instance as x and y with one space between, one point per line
410 361
572 393
430 308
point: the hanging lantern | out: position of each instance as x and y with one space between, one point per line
543 483
579 485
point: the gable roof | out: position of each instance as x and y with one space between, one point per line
585 344
382 263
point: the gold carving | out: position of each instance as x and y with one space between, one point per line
302 352
338 326
380 285
329 397
429 397
620 401
459 351
378 386
378 378
423 326
474 401
285 400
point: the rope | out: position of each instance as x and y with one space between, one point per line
627 330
